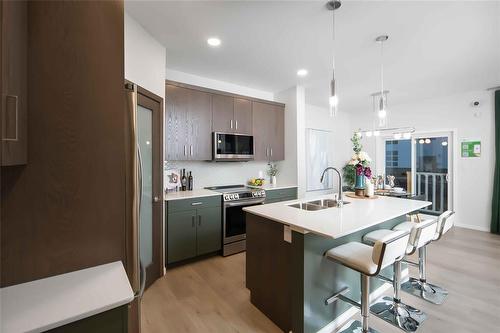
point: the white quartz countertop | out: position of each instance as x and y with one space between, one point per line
190 194
273 187
337 222
55 301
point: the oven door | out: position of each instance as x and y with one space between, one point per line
234 219
228 146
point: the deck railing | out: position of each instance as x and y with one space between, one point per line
434 186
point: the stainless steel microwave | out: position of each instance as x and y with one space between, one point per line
232 147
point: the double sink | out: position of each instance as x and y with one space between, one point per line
317 204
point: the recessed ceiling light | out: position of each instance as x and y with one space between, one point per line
213 41
302 72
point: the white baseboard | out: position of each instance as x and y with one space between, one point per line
344 317
472 227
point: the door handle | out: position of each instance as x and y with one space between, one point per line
156 198
16 112
199 220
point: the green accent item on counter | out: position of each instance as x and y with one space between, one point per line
471 148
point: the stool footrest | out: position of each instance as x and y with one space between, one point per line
335 297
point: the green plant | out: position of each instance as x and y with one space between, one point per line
272 170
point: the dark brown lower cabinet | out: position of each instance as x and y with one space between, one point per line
111 321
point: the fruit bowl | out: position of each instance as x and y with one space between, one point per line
256 181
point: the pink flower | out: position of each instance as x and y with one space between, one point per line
368 172
359 170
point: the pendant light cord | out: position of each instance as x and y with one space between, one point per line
333 40
382 69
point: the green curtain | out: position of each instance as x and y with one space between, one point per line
495 209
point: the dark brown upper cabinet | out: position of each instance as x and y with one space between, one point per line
231 114
268 131
243 121
193 113
188 124
14 82
223 113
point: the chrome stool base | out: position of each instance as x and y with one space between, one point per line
355 326
400 315
429 292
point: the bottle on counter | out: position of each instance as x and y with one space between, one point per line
183 180
190 181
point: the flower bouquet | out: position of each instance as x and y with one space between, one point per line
358 167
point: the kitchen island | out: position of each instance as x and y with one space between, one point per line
286 272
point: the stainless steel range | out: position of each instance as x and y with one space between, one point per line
234 199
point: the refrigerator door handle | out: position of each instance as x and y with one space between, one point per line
133 264
140 179
142 287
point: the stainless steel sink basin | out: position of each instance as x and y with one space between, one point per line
317 204
307 206
326 203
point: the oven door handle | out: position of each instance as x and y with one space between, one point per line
243 203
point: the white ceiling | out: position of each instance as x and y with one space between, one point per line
434 49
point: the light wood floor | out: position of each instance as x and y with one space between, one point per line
210 295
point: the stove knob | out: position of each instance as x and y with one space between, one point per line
226 197
236 196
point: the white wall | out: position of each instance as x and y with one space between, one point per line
341 132
221 173
145 58
196 80
474 176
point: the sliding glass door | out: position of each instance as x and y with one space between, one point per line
423 166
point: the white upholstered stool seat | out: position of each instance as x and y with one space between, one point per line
355 255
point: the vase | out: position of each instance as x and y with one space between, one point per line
273 180
360 182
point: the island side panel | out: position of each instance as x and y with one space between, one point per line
322 278
268 270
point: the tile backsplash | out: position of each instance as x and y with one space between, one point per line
220 173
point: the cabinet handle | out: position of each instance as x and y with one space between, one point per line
16 103
236 124
185 150
267 151
196 203
199 220
192 221
191 150
271 151
231 123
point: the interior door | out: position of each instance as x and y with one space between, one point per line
150 148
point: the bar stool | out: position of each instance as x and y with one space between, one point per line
420 287
368 261
392 310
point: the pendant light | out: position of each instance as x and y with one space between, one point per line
382 102
333 100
